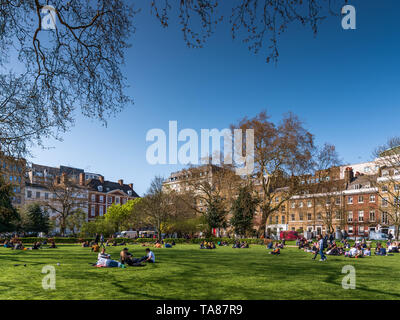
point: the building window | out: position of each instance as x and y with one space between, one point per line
361 216
283 219
384 188
350 229
37 195
301 205
293 205
301 217
349 200
46 196
350 216
93 198
372 198
360 199
309 204
372 216
92 211
309 216
319 216
101 199
110 200
277 200
276 220
385 202
385 219
101 210
117 200
361 229
337 201
29 194
293 217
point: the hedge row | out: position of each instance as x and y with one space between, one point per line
139 240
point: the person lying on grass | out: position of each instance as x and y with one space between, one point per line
149 257
104 261
354 252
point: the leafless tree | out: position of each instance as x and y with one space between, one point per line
67 198
257 21
51 73
282 153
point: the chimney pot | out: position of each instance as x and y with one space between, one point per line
121 182
101 178
131 185
82 179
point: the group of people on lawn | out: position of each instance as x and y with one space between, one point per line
16 244
358 250
126 258
240 245
275 247
207 245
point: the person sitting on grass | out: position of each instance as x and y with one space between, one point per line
149 257
18 246
270 245
85 244
103 254
380 251
158 245
7 244
367 252
36 246
168 245
52 245
393 248
173 243
95 247
244 245
202 245
276 251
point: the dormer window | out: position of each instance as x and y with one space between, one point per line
100 188
129 192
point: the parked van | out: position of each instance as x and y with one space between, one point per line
128 234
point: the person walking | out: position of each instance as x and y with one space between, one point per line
321 248
102 241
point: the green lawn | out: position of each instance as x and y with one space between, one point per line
186 272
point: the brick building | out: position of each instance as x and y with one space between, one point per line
102 194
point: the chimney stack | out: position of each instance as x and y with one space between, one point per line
63 177
101 178
348 175
82 179
121 182
131 185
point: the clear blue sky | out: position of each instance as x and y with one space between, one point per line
344 85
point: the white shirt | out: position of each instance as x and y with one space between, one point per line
151 256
